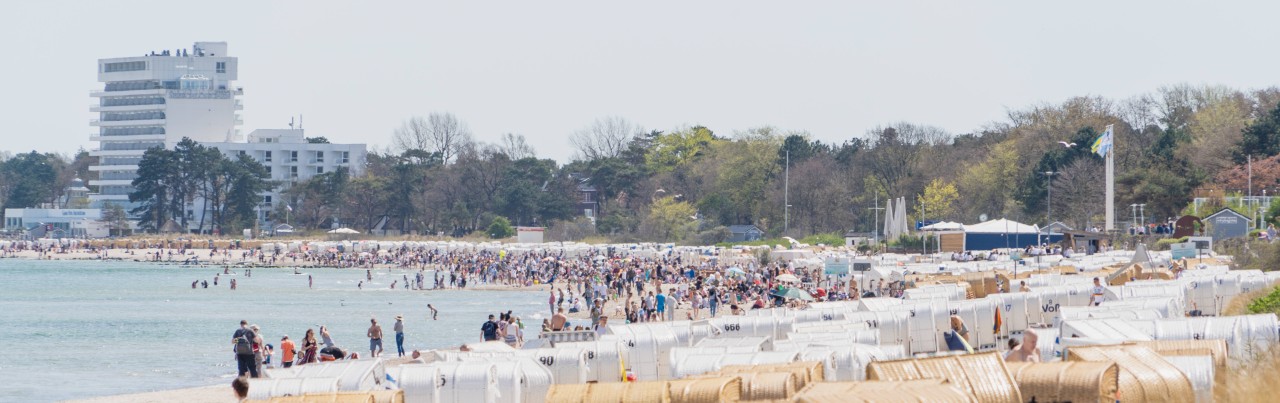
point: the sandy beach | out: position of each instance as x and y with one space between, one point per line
203 394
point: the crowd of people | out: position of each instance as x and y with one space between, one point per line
253 354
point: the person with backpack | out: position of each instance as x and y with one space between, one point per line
242 346
489 330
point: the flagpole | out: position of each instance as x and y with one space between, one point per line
1111 182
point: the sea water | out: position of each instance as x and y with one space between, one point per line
78 329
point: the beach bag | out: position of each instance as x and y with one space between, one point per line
244 345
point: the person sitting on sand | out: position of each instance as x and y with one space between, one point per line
957 336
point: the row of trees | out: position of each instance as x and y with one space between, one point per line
228 190
34 179
689 183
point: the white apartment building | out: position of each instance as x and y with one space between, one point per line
155 100
290 159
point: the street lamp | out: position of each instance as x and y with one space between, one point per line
1048 215
875 231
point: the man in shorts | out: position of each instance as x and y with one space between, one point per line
375 337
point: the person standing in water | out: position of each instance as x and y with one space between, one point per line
434 312
309 283
399 329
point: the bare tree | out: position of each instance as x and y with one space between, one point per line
516 147
438 132
896 153
1077 192
605 138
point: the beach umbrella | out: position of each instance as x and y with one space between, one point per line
889 228
788 278
795 293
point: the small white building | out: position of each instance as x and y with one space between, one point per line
289 159
56 223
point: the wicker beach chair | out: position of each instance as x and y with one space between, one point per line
1217 348
1144 375
916 391
984 376
706 390
1078 381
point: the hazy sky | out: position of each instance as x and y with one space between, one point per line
355 69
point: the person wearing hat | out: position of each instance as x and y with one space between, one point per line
399 328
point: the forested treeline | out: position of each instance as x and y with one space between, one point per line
689 183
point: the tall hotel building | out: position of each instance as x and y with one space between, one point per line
156 100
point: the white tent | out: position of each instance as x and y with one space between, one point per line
1001 226
943 226
344 230
902 216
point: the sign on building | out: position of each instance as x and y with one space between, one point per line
529 234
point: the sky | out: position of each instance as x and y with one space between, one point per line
356 70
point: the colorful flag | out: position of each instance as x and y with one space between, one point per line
1102 145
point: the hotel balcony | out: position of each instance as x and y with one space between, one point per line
116 153
105 93
127 108
113 167
135 137
118 123
111 182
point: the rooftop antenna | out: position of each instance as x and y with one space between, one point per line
299 121
291 122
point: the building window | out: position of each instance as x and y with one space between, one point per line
589 213
293 172
268 171
241 152
346 156
266 156
123 66
319 170
319 156
293 156
222 67
266 199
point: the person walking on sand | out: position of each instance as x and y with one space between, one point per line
287 351
242 346
489 330
310 348
375 337
399 329
260 352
